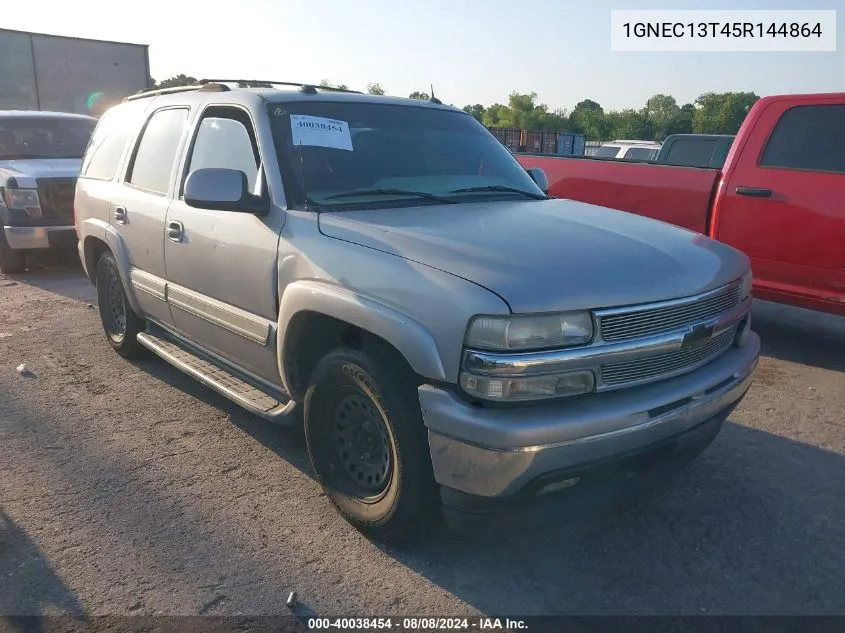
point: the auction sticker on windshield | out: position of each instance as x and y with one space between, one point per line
320 132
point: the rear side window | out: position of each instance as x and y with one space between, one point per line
808 138
225 141
640 153
691 152
607 151
106 146
155 154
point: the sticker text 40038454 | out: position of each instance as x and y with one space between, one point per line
320 132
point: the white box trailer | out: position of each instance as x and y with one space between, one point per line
68 74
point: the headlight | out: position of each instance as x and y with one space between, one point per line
531 332
747 282
25 200
529 388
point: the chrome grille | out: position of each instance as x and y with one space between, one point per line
662 366
56 197
659 319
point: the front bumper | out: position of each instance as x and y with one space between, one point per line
505 453
38 237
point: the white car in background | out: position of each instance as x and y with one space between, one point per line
40 158
628 150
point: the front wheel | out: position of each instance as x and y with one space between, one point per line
367 444
120 322
11 261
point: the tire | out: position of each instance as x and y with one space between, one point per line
120 322
385 488
11 261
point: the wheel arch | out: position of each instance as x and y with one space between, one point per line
315 317
99 237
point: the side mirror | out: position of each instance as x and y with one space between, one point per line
221 190
539 176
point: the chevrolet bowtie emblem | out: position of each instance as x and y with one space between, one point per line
697 335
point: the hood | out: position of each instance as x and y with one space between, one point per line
547 255
27 170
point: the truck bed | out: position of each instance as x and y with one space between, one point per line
678 195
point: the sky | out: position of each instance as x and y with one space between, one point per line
472 51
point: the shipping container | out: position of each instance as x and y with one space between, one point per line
68 74
532 142
564 144
579 144
549 143
509 137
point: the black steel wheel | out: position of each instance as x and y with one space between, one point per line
368 445
362 444
120 322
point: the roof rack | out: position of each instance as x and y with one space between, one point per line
204 87
303 87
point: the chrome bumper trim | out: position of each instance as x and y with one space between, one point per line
31 237
495 452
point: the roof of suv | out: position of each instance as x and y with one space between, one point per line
288 95
275 96
46 114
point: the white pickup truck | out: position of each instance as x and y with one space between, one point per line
40 157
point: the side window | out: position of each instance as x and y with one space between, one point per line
224 139
156 151
105 149
640 153
692 152
808 138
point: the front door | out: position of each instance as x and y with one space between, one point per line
139 208
221 265
783 206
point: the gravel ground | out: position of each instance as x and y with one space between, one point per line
126 488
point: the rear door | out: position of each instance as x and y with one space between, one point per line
783 203
221 270
139 207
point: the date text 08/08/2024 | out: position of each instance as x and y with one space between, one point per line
721 29
415 624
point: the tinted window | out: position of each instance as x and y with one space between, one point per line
721 154
693 152
44 137
640 153
607 151
107 145
808 137
225 143
359 146
156 151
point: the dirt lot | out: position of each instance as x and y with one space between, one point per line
129 489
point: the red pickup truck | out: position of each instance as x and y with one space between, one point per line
780 196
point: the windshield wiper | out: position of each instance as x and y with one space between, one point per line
390 192
502 188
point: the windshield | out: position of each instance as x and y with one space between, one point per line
372 154
44 137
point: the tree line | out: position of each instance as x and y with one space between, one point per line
710 113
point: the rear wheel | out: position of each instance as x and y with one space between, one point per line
11 261
120 322
367 444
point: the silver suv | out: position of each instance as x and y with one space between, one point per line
457 341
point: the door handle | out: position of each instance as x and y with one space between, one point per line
175 230
120 215
754 192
